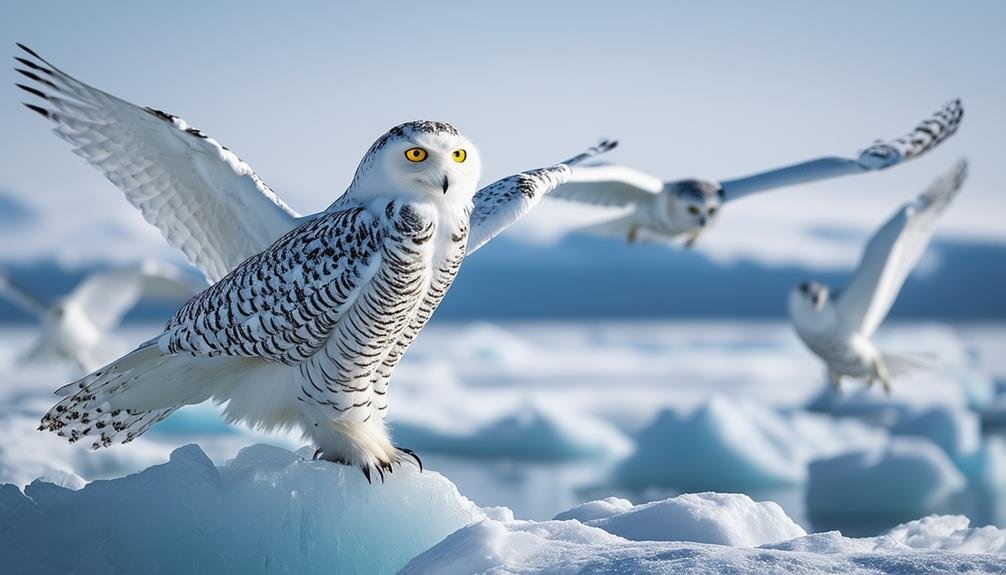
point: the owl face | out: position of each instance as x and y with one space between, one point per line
424 160
696 203
808 297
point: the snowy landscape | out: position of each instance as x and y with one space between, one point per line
622 381
522 426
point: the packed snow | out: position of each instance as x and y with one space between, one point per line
722 518
267 510
272 510
667 537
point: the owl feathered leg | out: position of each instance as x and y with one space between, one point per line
363 444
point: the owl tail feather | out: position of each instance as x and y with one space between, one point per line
122 400
900 364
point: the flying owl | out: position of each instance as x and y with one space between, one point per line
78 326
658 210
309 315
837 326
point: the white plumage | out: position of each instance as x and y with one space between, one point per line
310 314
838 327
78 326
657 210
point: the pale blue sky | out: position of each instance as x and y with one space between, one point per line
715 89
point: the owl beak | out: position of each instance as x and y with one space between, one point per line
702 221
446 184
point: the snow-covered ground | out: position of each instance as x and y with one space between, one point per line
270 510
544 417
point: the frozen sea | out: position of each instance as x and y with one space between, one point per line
540 417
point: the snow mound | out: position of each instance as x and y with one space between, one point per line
568 547
722 518
597 509
267 510
936 532
733 445
906 476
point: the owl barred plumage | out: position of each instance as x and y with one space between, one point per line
311 314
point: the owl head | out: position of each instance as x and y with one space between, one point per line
694 204
420 160
809 298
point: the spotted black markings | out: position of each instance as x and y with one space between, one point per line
924 137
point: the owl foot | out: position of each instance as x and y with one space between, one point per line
835 379
633 234
692 238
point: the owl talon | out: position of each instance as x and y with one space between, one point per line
413 455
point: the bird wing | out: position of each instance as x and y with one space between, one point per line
284 303
880 155
500 204
106 296
203 198
609 185
892 253
20 297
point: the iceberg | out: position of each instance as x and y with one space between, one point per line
268 510
732 445
906 476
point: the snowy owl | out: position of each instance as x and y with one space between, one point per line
310 314
660 210
77 327
838 326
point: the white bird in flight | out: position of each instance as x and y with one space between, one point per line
658 210
312 313
837 326
78 326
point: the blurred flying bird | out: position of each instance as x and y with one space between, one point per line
312 313
78 326
837 326
658 210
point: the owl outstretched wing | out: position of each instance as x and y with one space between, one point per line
500 204
20 297
881 155
202 197
892 253
609 185
107 295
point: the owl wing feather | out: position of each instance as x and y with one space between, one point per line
107 295
879 156
283 303
892 253
500 204
20 297
204 199
609 185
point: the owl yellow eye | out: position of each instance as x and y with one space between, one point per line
693 210
416 154
459 155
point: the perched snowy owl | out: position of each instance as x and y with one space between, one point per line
310 314
838 326
665 210
77 327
